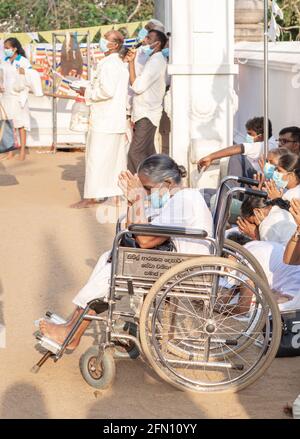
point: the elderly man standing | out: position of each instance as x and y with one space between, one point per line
106 142
149 89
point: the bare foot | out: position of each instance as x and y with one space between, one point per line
83 204
22 156
8 156
57 333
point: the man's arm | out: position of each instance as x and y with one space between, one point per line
104 86
205 162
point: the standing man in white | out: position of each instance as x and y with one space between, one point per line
149 89
106 154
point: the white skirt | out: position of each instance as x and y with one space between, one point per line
106 158
20 116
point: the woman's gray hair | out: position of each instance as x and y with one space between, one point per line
161 167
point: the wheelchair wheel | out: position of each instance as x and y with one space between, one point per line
197 338
243 256
98 374
125 349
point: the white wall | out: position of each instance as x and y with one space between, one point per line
41 122
284 95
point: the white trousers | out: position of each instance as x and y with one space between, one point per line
106 158
98 284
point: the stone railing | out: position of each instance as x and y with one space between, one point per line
249 16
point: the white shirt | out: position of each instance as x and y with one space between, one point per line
279 226
149 90
188 209
291 194
107 96
255 150
282 278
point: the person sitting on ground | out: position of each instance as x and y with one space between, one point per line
160 179
246 155
283 279
266 220
292 251
285 181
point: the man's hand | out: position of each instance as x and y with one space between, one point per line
272 190
130 57
247 228
131 187
295 211
2 89
21 71
204 163
261 163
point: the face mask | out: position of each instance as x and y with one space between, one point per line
249 139
142 34
9 53
157 201
166 52
278 178
104 45
269 171
147 50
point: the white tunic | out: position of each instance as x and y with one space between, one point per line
14 99
186 209
106 152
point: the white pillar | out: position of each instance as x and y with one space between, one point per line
202 69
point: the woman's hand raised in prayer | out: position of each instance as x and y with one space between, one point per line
248 228
131 187
261 180
295 211
272 190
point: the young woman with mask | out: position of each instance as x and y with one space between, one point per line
285 179
18 79
159 180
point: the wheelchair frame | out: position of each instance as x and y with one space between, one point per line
220 217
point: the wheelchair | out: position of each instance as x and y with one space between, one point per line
201 322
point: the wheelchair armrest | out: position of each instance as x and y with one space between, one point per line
152 230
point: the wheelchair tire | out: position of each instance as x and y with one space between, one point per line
126 349
97 376
247 366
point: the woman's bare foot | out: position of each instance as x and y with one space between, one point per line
57 333
22 156
7 156
83 204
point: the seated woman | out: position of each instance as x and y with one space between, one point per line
284 280
285 181
159 180
266 220
292 251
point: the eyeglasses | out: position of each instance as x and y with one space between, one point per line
284 141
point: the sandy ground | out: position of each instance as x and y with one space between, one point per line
47 252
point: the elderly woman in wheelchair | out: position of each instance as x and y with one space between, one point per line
178 270
159 181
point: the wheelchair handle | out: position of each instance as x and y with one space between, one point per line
248 181
254 193
153 230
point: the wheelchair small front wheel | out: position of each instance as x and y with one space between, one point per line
97 372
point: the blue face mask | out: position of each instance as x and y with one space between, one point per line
147 50
269 171
166 52
278 178
104 45
142 34
249 139
9 53
158 201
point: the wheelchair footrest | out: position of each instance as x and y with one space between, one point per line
48 344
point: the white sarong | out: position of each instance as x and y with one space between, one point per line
106 158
